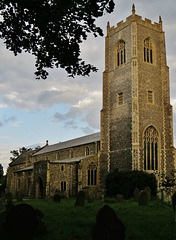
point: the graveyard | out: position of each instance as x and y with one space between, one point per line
65 219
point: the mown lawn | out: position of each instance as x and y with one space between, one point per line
64 222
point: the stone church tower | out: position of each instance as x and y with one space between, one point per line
136 118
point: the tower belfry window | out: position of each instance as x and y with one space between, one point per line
121 53
148 51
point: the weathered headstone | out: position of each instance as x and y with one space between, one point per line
20 223
108 226
57 197
136 194
19 197
9 200
143 198
148 190
103 197
80 199
119 198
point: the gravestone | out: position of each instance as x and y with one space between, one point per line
136 194
143 198
80 199
57 197
19 197
9 200
108 226
148 190
20 223
119 198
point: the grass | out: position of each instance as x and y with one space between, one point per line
151 222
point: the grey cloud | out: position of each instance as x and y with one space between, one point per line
59 117
9 119
86 110
5 120
88 130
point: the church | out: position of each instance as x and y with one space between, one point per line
136 121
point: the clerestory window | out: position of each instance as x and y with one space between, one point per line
71 153
87 151
151 149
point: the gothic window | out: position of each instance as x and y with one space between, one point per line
120 98
63 186
87 151
92 174
148 51
151 149
150 97
121 53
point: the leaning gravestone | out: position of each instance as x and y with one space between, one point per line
119 198
136 194
108 226
80 199
143 198
148 190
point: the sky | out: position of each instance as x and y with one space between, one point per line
61 108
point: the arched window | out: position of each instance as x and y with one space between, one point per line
121 53
57 156
92 174
62 168
148 51
63 186
151 149
87 151
71 153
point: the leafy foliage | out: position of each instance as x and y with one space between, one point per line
17 153
52 30
125 182
168 181
2 180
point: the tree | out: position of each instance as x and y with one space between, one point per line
125 182
52 30
1 172
17 153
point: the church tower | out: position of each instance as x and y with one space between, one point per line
136 118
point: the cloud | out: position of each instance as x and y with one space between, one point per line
86 109
5 120
2 105
5 155
5 137
17 124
